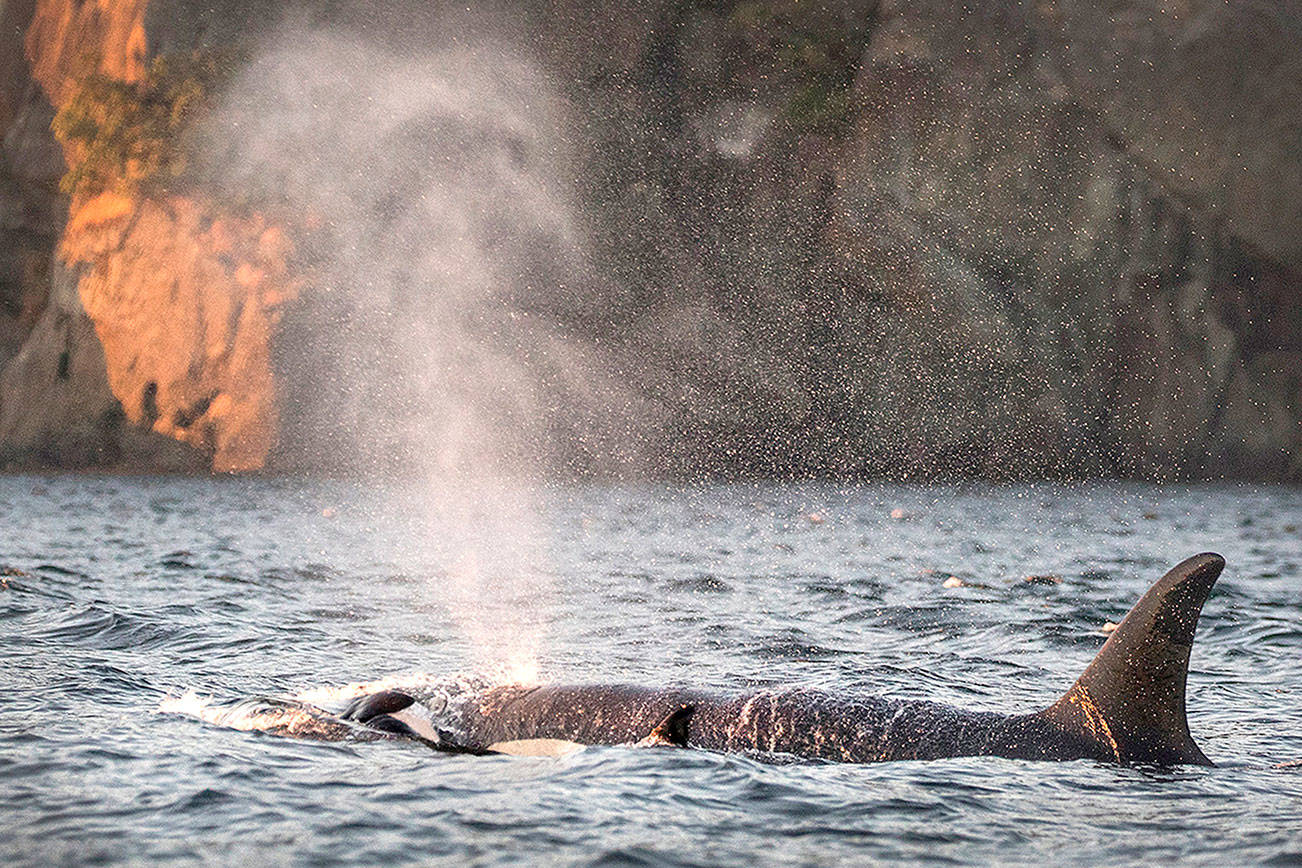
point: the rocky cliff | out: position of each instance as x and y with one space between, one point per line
140 327
871 238
1004 240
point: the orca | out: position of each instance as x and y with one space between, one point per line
1128 707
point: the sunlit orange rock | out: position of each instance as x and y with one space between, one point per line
185 307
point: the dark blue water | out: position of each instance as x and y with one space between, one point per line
126 596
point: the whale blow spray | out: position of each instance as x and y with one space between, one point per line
430 185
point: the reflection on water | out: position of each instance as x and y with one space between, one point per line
204 597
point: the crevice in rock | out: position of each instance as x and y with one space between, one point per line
149 405
187 416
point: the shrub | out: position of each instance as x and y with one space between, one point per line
818 58
128 136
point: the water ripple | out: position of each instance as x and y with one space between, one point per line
229 601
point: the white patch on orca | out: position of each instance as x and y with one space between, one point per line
541 747
419 719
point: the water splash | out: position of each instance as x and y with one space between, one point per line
432 187
337 695
252 715
312 713
431 184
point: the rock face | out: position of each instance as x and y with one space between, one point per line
1025 240
44 45
30 165
185 305
1128 322
1200 94
57 407
1125 325
872 238
145 338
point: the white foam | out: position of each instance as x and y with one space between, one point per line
310 713
189 704
285 720
337 694
517 674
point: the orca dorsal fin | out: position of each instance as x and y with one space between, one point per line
672 731
1130 701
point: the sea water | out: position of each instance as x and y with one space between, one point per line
142 621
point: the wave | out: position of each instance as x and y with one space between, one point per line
312 713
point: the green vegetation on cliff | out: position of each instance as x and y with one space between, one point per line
127 136
820 58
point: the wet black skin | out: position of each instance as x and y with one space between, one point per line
800 722
1127 707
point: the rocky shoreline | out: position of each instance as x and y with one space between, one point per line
876 240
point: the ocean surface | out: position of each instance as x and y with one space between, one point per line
142 621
